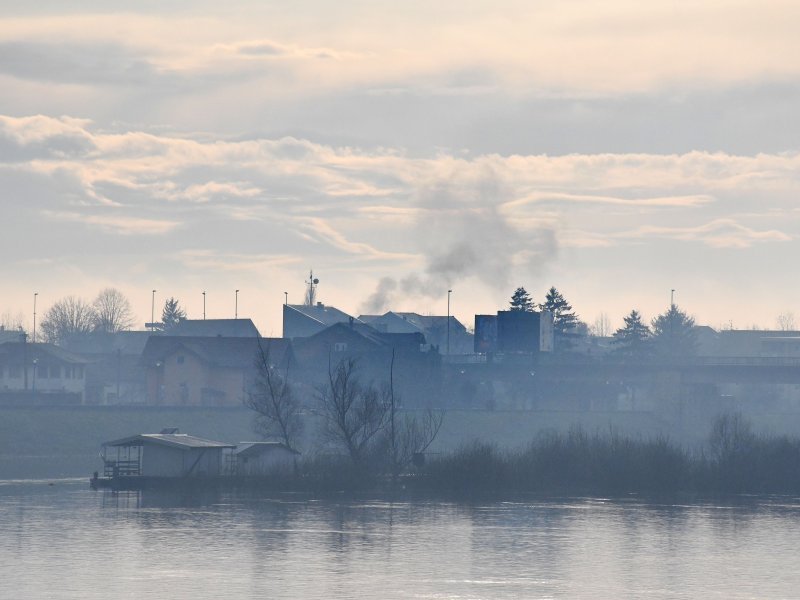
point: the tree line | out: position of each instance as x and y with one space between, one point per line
670 334
109 312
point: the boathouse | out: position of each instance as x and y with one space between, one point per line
166 454
264 458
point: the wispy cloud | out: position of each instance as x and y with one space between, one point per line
116 224
720 233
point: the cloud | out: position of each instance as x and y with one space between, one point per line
561 197
200 205
214 260
98 63
123 225
720 233
270 49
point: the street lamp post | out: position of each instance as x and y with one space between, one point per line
153 311
204 305
35 294
286 298
672 298
448 321
236 306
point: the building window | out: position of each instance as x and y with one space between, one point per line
340 347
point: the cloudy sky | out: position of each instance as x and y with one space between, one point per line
615 149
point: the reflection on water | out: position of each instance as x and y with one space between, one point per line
65 541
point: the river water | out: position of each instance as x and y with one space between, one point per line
58 539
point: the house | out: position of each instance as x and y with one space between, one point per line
206 371
262 458
405 357
214 328
40 373
114 373
166 454
305 320
439 331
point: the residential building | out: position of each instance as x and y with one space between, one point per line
206 371
434 327
305 320
214 328
40 373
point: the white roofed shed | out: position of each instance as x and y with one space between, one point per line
166 454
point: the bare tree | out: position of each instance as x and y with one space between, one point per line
112 311
408 434
9 320
785 321
355 413
602 326
67 317
277 408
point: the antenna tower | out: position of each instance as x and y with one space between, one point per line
311 292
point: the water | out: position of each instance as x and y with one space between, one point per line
66 541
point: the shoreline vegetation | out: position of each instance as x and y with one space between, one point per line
735 460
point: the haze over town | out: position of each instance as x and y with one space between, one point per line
617 151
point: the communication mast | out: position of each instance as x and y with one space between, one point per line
311 292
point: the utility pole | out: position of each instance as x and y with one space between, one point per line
236 306
448 321
35 294
153 311
204 305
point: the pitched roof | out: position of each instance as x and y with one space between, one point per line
100 343
234 352
174 440
407 322
214 327
366 332
325 315
17 352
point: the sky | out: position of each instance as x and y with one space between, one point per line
616 150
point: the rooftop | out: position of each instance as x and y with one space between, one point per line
214 328
174 440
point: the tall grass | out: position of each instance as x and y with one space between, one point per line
735 461
574 462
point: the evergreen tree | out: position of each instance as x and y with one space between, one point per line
632 339
565 321
171 315
674 336
521 300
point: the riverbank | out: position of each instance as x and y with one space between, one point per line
65 441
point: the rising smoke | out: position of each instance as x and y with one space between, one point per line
463 232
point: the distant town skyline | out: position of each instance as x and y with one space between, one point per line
616 151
